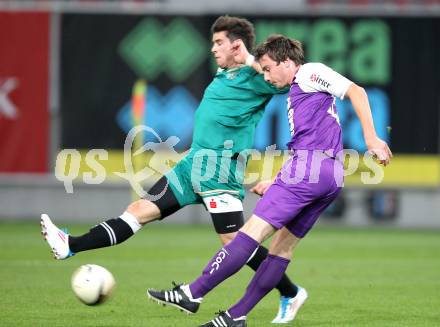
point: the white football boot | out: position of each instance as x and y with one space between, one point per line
57 239
289 307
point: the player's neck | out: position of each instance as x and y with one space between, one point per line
294 71
231 66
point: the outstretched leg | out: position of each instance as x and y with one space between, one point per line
225 263
112 231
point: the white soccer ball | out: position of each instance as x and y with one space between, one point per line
92 284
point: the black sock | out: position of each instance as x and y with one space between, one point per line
285 285
107 233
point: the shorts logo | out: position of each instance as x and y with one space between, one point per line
212 204
317 79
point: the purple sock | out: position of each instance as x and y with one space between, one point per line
225 263
265 279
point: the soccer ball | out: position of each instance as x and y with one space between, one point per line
92 284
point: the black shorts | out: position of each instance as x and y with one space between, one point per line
224 222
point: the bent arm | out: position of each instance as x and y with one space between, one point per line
375 145
255 65
359 100
242 56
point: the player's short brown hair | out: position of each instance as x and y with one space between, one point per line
235 28
280 48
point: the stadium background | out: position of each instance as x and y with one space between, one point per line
67 71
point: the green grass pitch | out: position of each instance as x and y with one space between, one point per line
369 277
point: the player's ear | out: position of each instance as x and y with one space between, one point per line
236 44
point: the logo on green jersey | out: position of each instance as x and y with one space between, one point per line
231 75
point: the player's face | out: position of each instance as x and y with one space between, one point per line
278 74
222 50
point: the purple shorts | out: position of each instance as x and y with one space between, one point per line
305 186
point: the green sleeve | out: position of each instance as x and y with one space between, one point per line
262 87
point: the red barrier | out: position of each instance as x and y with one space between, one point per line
24 79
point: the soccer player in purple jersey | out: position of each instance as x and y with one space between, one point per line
307 183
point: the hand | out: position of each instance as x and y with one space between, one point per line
261 187
239 51
380 150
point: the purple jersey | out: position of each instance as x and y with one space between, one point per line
311 109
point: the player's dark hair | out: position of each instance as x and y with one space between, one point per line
280 48
235 28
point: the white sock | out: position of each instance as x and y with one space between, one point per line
236 319
131 221
187 291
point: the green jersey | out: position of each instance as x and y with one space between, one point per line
230 110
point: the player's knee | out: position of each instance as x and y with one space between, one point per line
283 243
282 252
226 238
145 211
281 249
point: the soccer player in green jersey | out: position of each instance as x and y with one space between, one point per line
225 123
